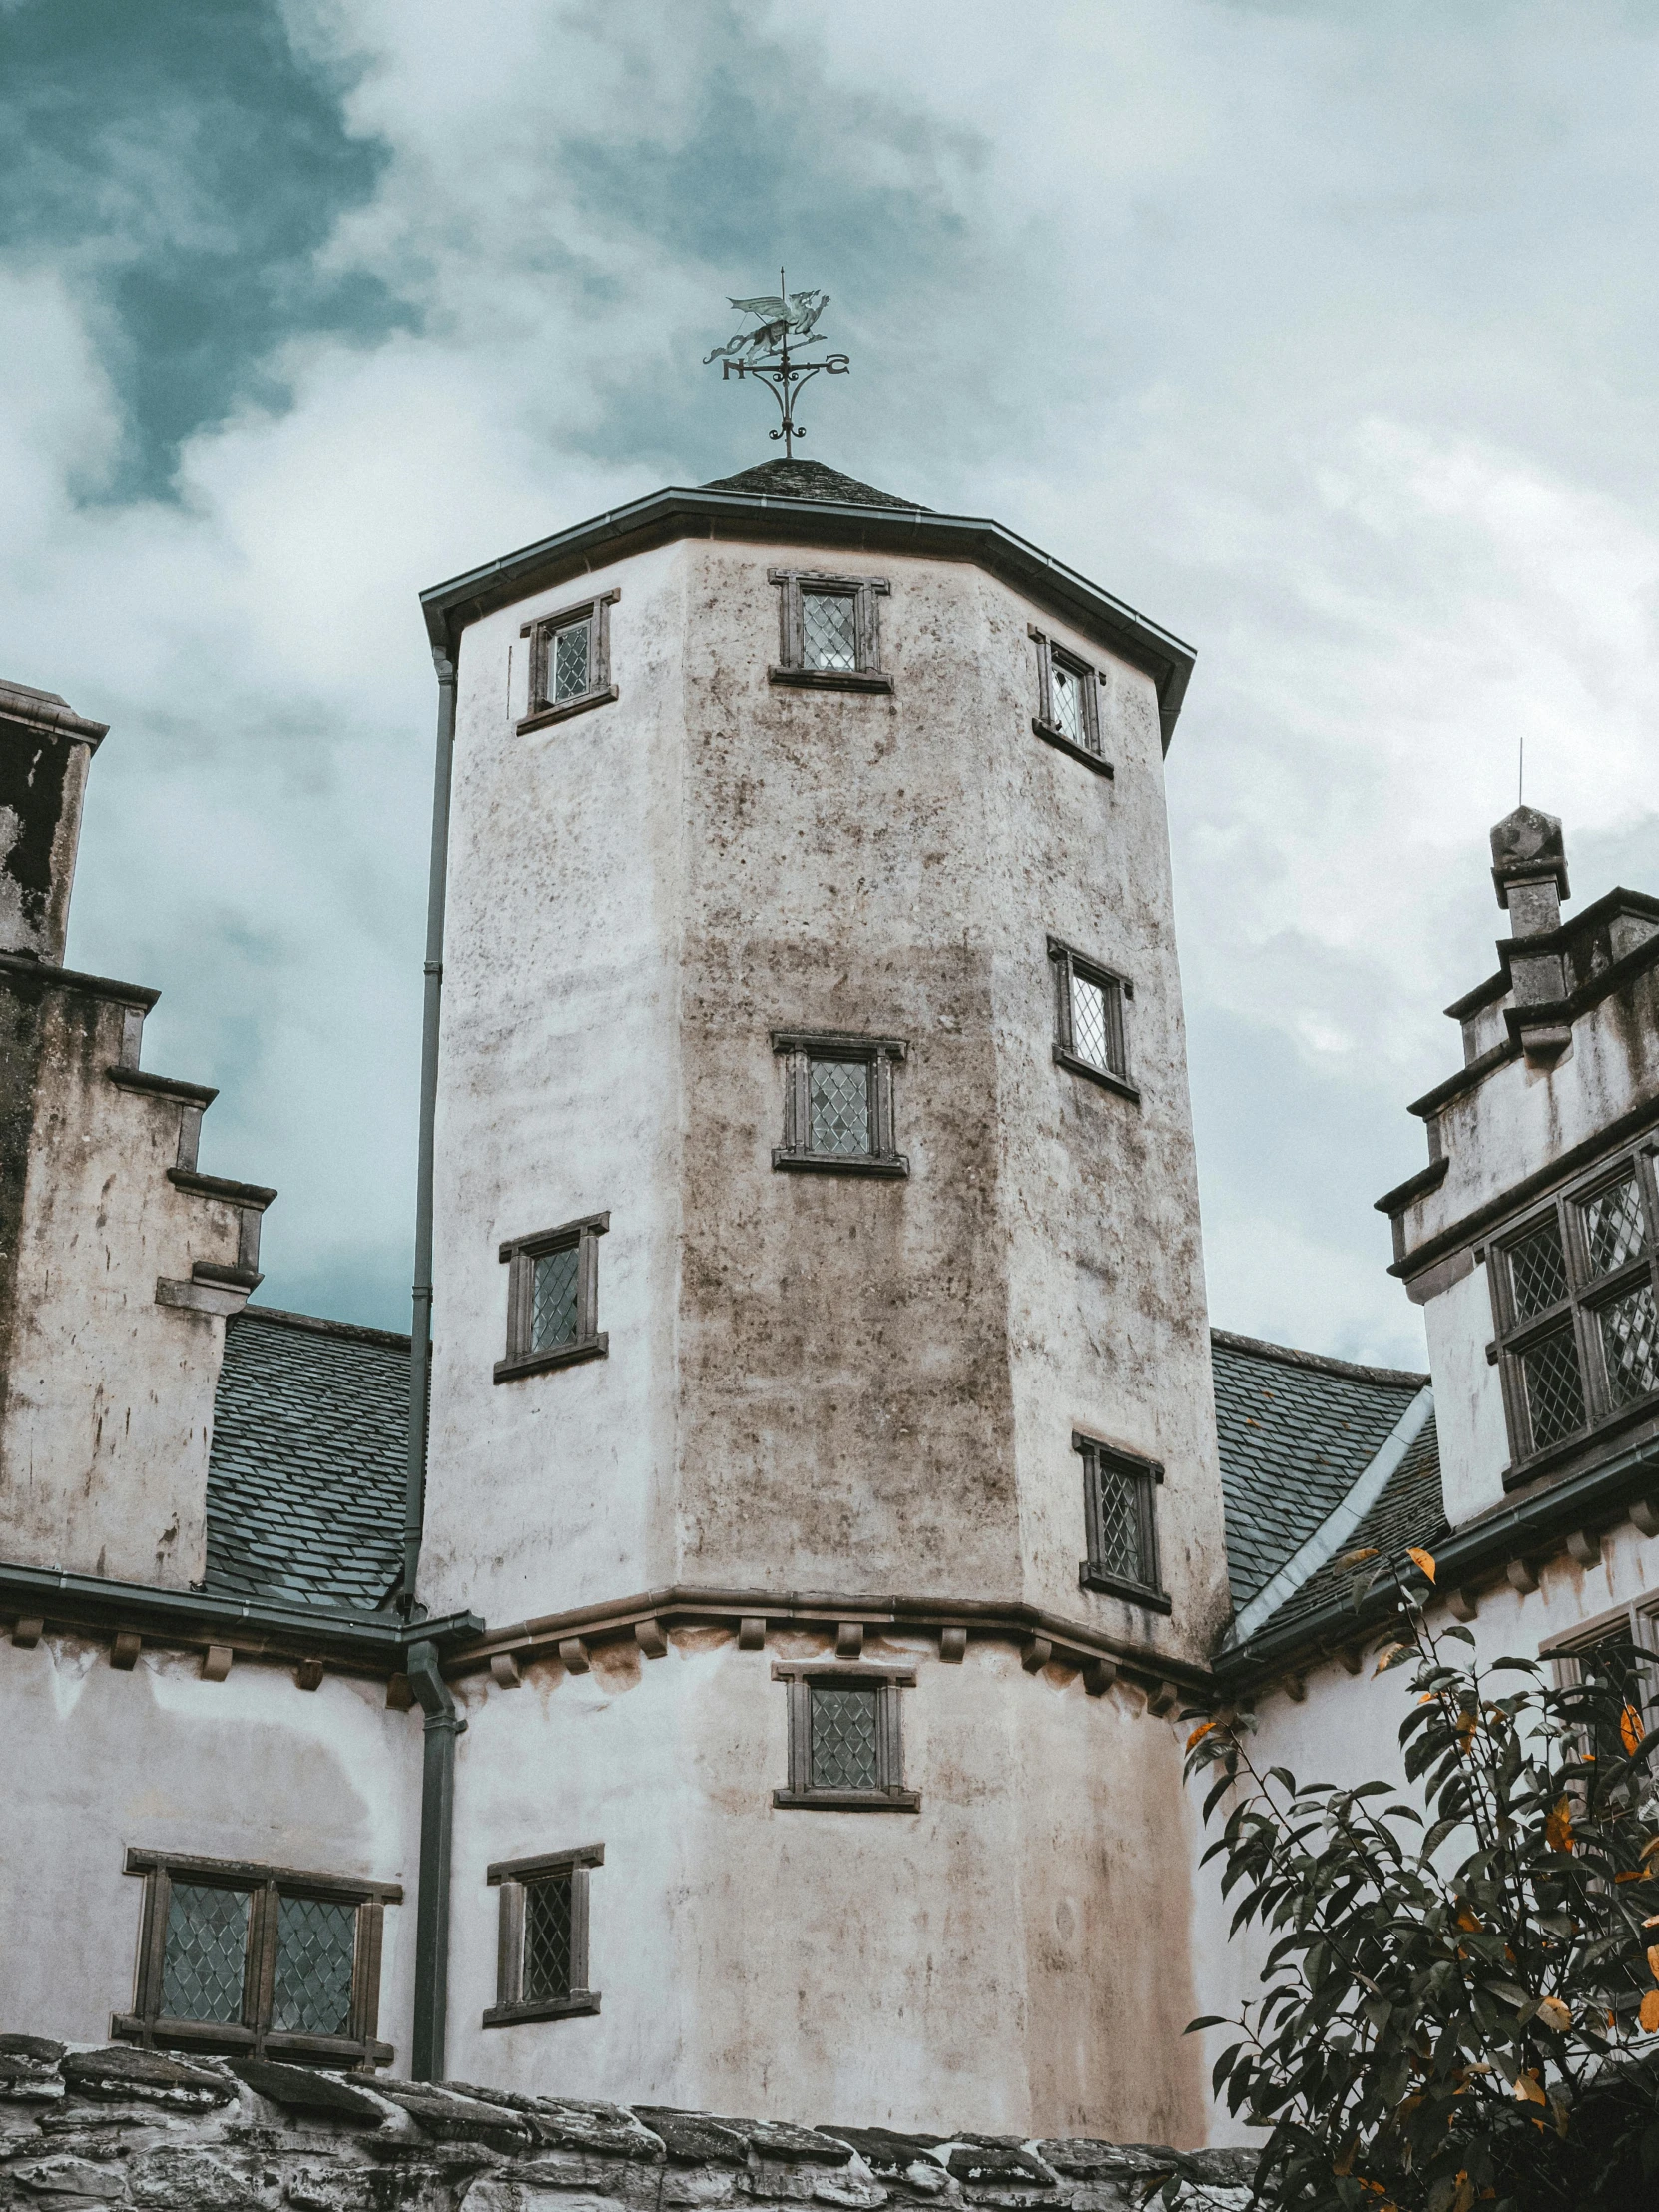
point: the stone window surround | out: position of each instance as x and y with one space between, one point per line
146 2025
1043 722
1586 1291
539 708
512 1876
1146 1475
890 1795
1119 992
519 1255
798 1048
791 667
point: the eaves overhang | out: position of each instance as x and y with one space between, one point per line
256 1627
1539 1522
685 513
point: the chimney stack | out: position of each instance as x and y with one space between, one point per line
45 750
1529 873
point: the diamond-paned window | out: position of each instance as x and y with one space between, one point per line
1630 1340
1090 1030
839 1106
828 630
553 1298
547 1955
1120 1523
1119 1490
1554 1387
1090 1022
1614 1231
845 1736
1067 694
1538 1270
206 1951
316 1943
568 658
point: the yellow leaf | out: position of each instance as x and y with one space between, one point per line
1652 1919
1649 2015
1556 2013
1653 1962
1357 1559
1464 2198
1344 2166
1649 1848
1387 1657
1527 2090
1631 1730
1197 1735
1642 1877
1423 1560
1558 1826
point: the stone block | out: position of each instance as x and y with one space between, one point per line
698 2138
149 2075
302 2089
566 2123
884 2150
455 2118
64 2181
178 2177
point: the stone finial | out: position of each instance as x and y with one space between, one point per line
1529 869
44 750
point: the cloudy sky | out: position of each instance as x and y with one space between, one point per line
1324 331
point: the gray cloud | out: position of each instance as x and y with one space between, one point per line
1324 334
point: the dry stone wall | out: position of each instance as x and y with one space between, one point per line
82 2129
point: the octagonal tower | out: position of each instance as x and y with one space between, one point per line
821 1404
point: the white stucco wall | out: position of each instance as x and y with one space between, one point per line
250 1768
1468 1397
1016 1950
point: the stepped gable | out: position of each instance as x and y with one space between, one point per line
307 1478
798 479
1297 1431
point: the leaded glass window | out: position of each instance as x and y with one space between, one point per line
1090 1024
1067 696
839 1102
569 657
542 1970
828 630
1068 703
1577 1307
235 1957
839 1106
846 1732
553 1298
206 1953
547 1941
1119 1493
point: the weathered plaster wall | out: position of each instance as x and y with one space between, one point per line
559 1096
249 1768
1468 1397
109 1402
852 1961
105 2127
1347 1730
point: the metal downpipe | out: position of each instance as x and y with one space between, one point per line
421 1327
437 1818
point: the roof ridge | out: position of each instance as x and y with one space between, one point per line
1320 1362
352 1331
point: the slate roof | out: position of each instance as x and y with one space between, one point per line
306 1474
1297 1431
798 479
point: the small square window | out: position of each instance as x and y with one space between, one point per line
542 1953
570 662
553 1298
1119 1492
1068 704
829 631
237 1957
846 1747
838 1103
1090 1024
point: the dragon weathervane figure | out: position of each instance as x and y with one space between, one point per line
765 350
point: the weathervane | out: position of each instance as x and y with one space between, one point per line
764 352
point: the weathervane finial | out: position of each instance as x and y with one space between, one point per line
765 350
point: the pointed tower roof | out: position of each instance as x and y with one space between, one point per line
799 480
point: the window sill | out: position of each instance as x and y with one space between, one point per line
1058 738
1554 1458
850 1801
1111 1585
580 2005
565 708
831 679
889 1164
232 2040
560 1355
1107 1082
